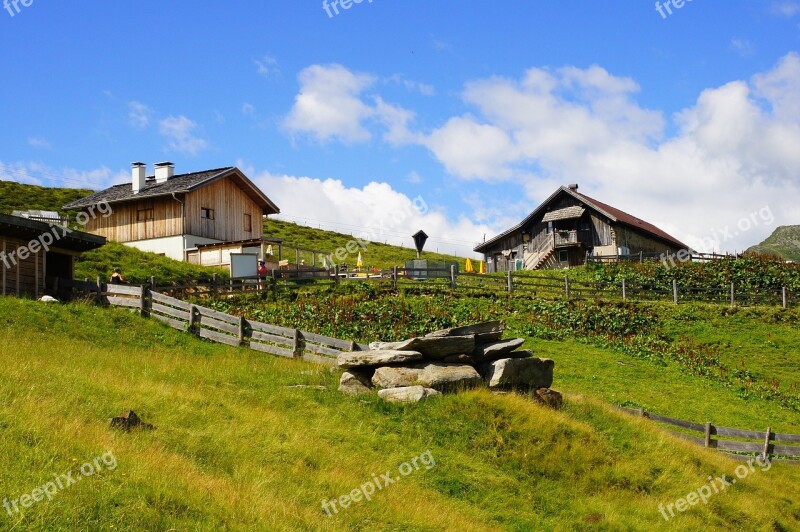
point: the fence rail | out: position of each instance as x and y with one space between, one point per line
763 446
218 326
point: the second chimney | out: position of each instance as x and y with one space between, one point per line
164 171
574 187
138 176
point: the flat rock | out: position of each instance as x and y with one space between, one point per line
496 350
396 376
483 332
459 359
431 347
408 394
446 377
518 373
129 420
358 359
355 382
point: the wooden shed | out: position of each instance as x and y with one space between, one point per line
568 227
31 252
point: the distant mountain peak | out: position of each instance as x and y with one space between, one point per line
784 242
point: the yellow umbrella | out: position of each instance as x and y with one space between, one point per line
468 266
359 262
482 268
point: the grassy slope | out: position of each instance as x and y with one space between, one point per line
784 242
376 255
16 196
235 448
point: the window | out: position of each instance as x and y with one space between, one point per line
208 214
563 256
248 223
144 215
549 228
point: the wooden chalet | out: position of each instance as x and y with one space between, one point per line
174 214
32 253
567 228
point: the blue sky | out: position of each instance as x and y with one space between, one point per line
478 110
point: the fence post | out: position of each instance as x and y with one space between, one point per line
142 302
99 290
624 290
192 318
214 284
336 273
766 442
708 435
733 295
153 282
510 281
783 296
566 286
297 346
453 276
242 326
675 291
394 277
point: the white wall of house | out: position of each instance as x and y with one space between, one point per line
172 246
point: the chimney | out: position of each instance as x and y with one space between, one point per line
164 171
573 187
138 176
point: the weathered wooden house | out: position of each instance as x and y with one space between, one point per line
174 214
33 253
567 228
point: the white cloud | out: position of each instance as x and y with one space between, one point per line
180 132
267 66
377 211
332 105
34 173
414 178
743 47
735 151
248 109
139 115
39 142
785 9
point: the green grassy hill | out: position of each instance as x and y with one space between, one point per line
16 196
235 447
376 254
783 242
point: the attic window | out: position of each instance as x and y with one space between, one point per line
206 213
248 223
144 215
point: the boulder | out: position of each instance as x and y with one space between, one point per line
446 377
483 332
396 376
496 350
518 373
549 397
436 375
409 394
128 421
432 347
355 382
358 359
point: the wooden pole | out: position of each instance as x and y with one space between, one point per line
242 324
783 296
510 281
566 286
394 277
453 276
733 294
767 437
675 291
624 290
708 435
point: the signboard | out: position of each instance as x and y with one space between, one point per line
244 265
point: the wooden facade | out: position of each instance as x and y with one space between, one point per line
565 229
27 265
174 214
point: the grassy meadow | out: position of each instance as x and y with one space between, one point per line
235 447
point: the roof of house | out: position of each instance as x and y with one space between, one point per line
612 213
177 184
26 229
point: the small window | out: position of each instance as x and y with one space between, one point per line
208 214
563 256
549 228
144 215
248 223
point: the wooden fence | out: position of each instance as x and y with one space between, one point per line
220 327
763 445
